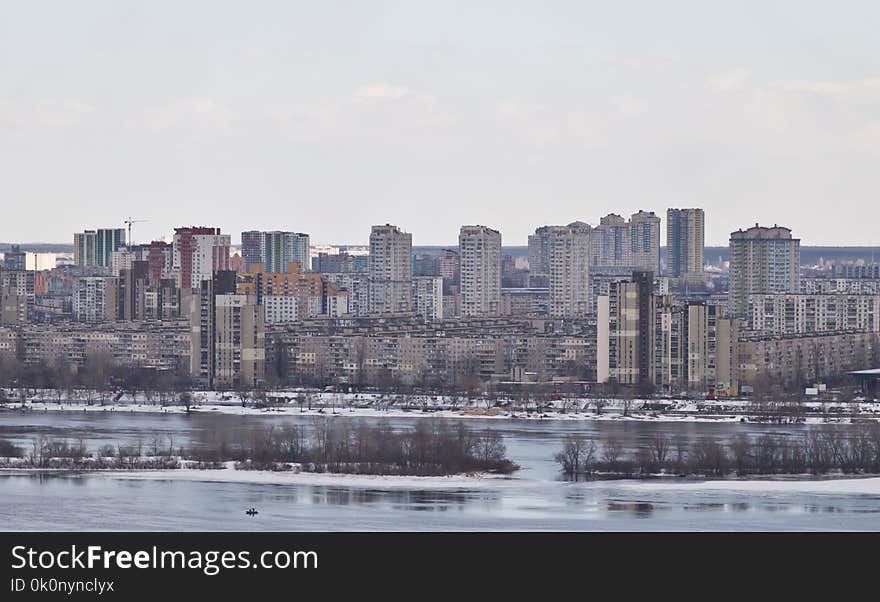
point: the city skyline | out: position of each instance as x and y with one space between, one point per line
329 120
236 235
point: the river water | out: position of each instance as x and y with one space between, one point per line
534 498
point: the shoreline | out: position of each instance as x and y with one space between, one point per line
229 474
608 413
834 484
295 402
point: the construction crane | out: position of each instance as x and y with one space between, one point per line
129 222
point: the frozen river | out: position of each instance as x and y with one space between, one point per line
534 498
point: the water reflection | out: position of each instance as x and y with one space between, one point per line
704 506
636 509
398 499
535 499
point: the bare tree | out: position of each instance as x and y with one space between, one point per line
185 399
244 395
612 451
577 457
741 447
660 445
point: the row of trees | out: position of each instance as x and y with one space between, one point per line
326 445
433 447
94 381
817 451
54 452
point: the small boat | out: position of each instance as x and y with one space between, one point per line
251 512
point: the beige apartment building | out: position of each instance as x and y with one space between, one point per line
240 346
480 275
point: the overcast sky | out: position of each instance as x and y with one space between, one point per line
327 117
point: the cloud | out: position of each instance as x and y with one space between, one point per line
629 106
382 91
48 113
191 111
729 80
511 109
868 137
861 88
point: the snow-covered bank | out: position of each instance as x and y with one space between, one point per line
608 414
316 403
807 485
471 413
229 474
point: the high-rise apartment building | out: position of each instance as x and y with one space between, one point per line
132 285
450 271
239 341
341 263
610 243
685 239
357 289
199 306
651 340
625 331
13 306
709 351
89 299
298 249
480 251
277 250
19 289
645 241
567 252
160 258
199 253
314 294
762 260
427 297
390 269
252 248
618 245
538 252
96 247
15 259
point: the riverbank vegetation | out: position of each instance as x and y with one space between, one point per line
819 451
431 448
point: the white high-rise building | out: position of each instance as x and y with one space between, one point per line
199 252
480 251
89 299
390 269
568 259
427 297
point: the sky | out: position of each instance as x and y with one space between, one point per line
328 117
